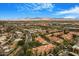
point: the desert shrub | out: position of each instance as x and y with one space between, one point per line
34 44
21 42
29 52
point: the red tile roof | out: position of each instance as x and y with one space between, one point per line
55 39
40 39
68 36
43 49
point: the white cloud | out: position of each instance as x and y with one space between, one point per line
41 6
35 6
70 13
74 10
70 17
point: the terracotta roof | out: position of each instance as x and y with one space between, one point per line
74 33
43 49
68 36
58 33
55 39
40 39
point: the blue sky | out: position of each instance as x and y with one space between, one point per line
38 10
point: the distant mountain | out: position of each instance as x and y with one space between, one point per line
47 19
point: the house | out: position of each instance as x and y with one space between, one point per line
41 40
58 33
44 49
55 39
67 37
